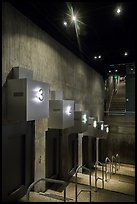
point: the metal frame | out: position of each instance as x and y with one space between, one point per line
118 161
96 178
76 190
114 164
46 180
108 161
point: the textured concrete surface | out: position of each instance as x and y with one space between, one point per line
24 44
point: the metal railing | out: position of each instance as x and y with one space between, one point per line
49 181
118 161
76 189
114 164
96 177
108 162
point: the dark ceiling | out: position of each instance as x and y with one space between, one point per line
101 31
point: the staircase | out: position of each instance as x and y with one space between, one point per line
118 102
121 138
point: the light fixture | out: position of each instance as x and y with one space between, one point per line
116 70
106 128
99 56
65 23
118 10
102 126
115 76
84 118
94 123
95 57
74 18
109 71
125 53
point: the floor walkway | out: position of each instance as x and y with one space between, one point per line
120 188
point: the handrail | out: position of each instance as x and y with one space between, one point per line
96 178
106 170
76 190
118 162
115 163
110 101
46 180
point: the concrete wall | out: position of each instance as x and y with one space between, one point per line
24 44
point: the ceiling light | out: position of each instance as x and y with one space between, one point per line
118 10
109 71
65 23
116 70
125 54
74 18
99 56
95 57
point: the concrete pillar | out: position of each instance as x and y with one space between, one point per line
80 136
39 171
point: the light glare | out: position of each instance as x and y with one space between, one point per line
102 126
74 18
84 118
68 109
95 124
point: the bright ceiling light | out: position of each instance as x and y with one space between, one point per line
118 10
65 23
109 71
116 70
125 53
99 56
95 57
74 18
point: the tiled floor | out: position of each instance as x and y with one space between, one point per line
120 188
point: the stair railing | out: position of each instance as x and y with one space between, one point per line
76 189
108 162
118 161
114 164
99 178
46 180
